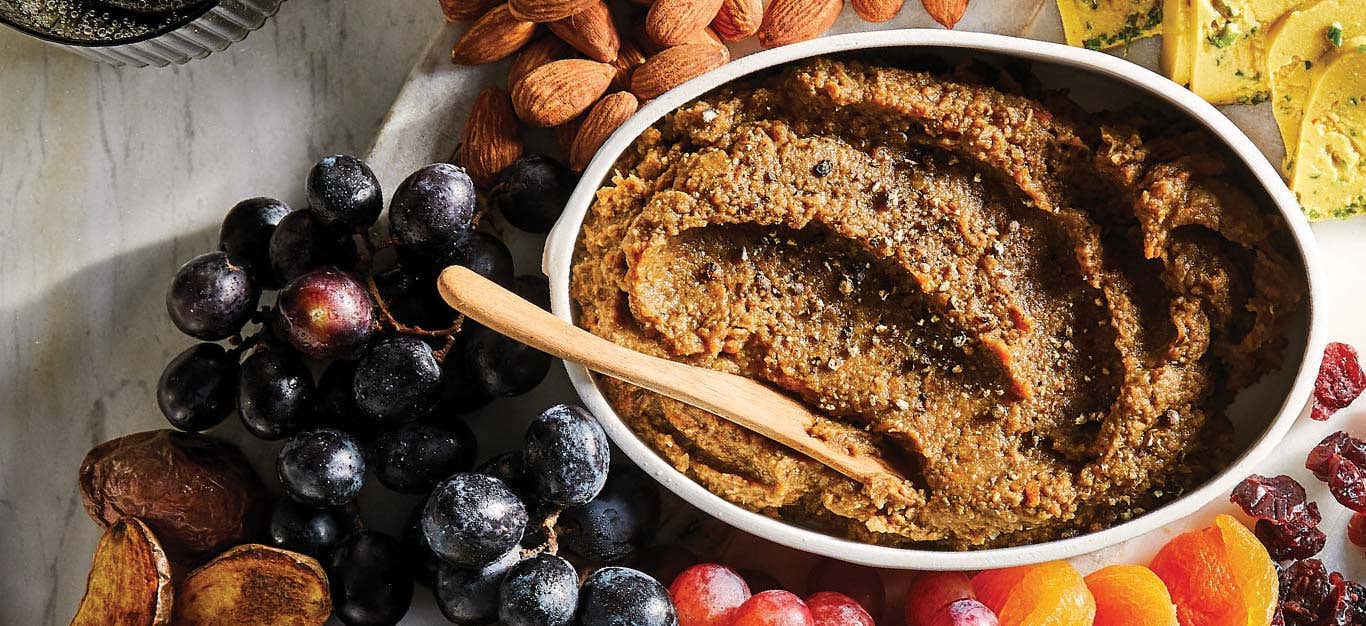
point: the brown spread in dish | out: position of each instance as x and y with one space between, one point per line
1038 314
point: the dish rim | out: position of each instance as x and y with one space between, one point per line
558 259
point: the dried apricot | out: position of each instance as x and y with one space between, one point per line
993 587
1195 568
1130 594
1052 593
1253 570
1219 576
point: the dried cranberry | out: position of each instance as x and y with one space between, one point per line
1332 446
1347 482
1311 596
1285 542
1279 499
1337 610
1304 588
1358 598
1340 380
1356 531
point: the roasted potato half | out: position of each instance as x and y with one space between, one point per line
130 579
255 584
197 493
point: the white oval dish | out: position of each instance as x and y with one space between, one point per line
1273 404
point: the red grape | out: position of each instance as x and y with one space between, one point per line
930 596
707 595
965 613
326 314
859 582
773 608
830 608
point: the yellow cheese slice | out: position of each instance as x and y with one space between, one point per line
1178 40
1330 167
1298 40
1101 24
1230 48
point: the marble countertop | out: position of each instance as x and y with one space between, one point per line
112 177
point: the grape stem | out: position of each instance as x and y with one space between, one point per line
240 344
551 545
387 319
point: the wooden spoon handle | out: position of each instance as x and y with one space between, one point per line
741 400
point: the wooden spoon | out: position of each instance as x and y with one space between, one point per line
743 401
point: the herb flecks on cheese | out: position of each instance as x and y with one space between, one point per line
1102 24
1230 48
1298 42
1329 174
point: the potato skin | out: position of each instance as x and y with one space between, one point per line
255 585
197 493
129 581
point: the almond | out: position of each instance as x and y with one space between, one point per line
738 19
877 11
496 35
547 10
790 21
629 57
946 12
491 142
591 31
671 22
537 53
706 35
466 10
674 66
556 92
598 125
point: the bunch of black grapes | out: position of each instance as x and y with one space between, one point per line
358 304
489 537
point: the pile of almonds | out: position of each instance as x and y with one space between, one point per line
592 70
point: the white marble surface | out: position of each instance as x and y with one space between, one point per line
110 178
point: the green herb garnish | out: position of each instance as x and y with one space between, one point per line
1335 34
1227 36
1134 26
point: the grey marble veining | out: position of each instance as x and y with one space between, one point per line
110 178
